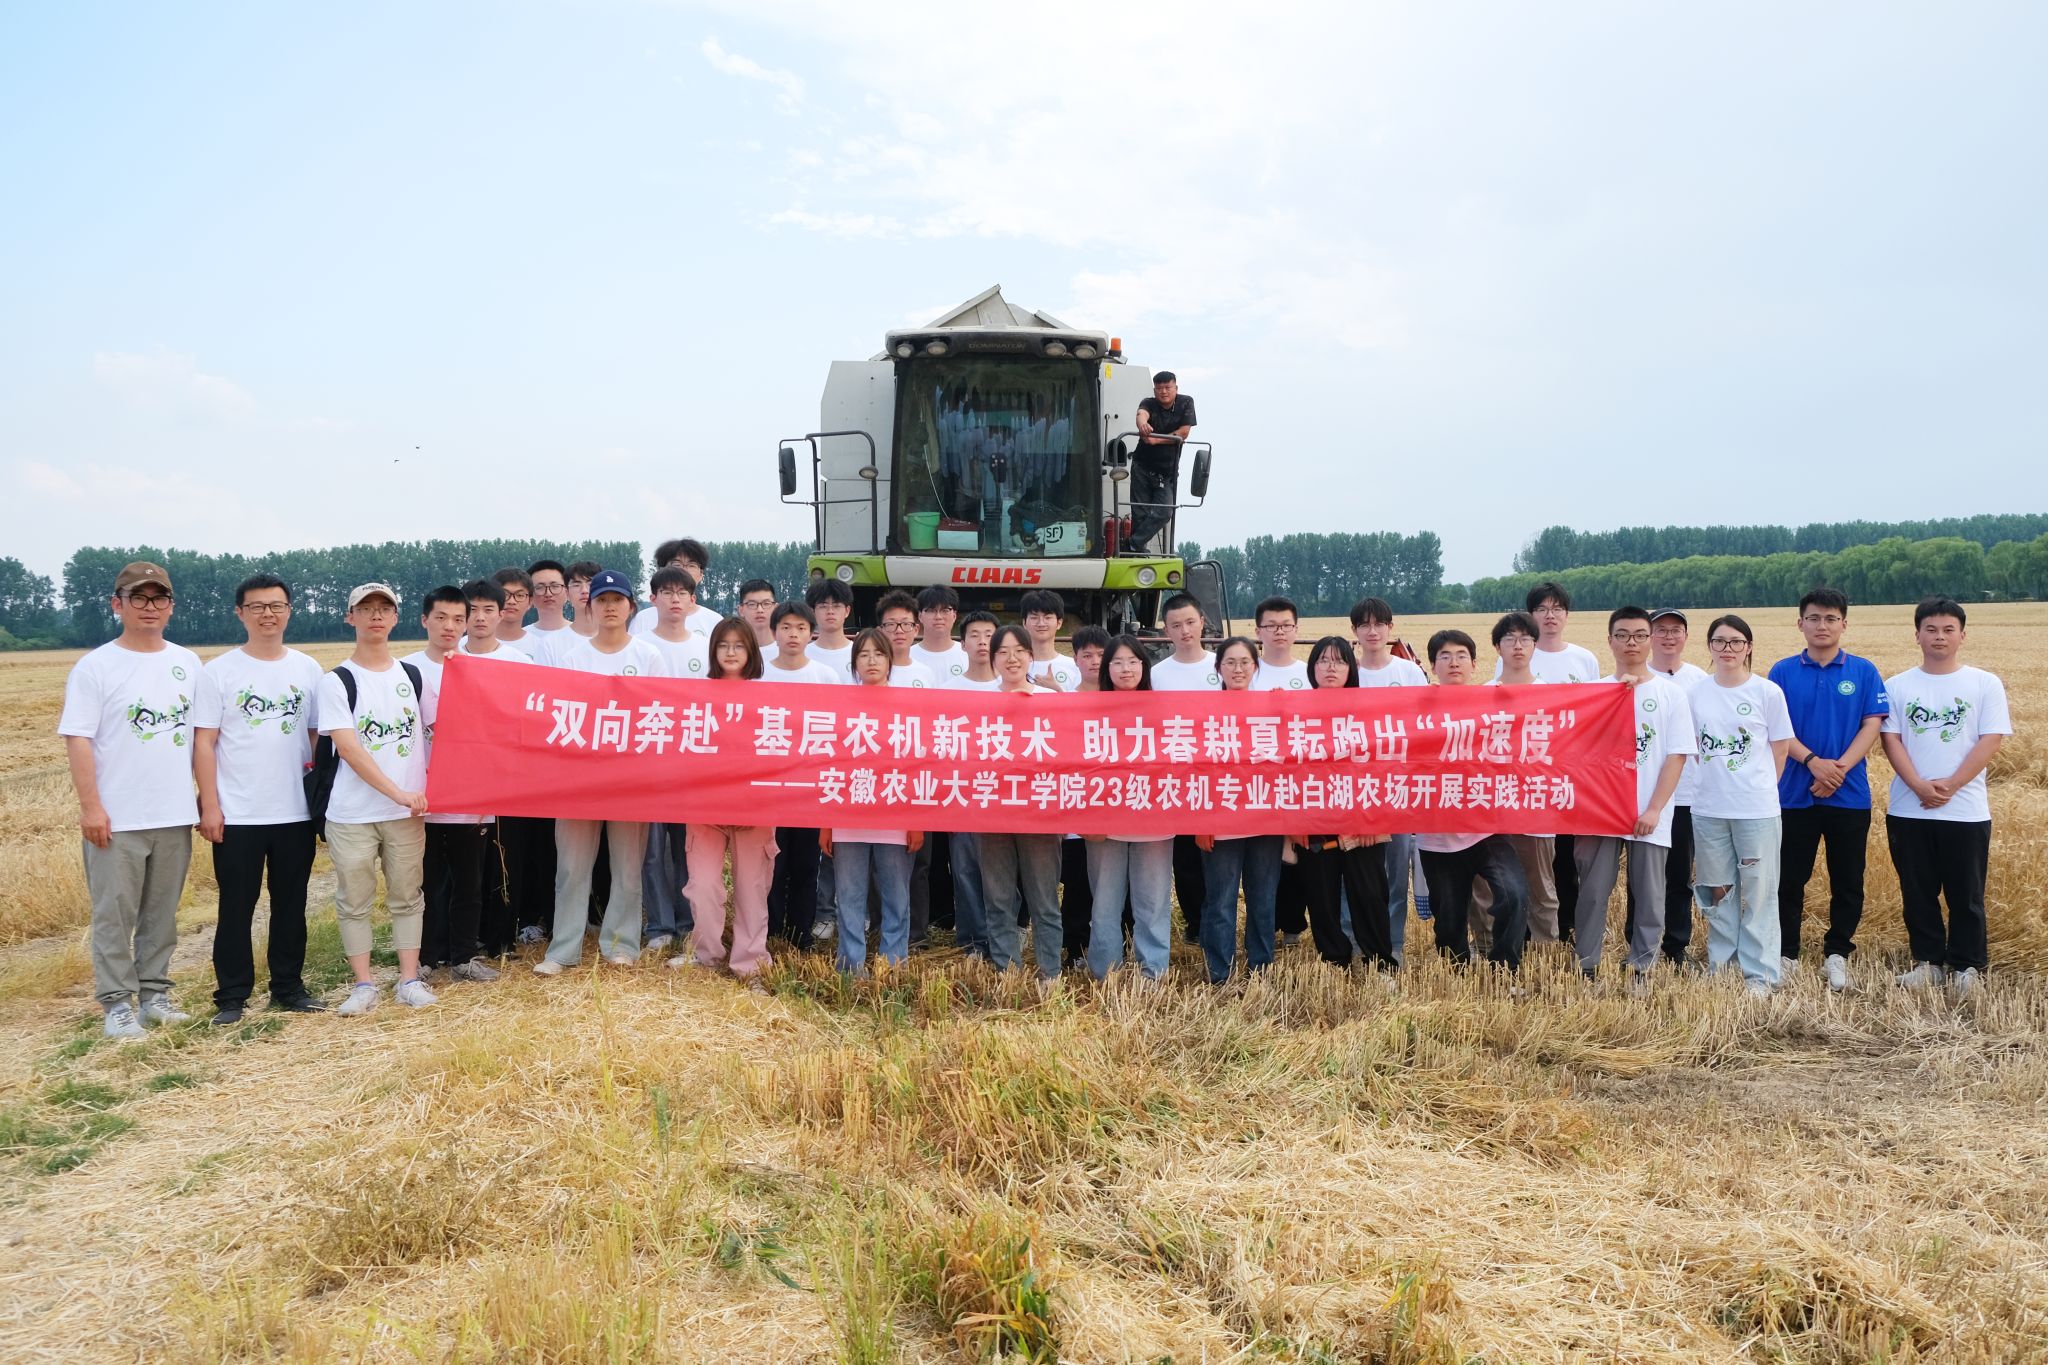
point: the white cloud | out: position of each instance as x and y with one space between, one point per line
787 82
839 224
170 383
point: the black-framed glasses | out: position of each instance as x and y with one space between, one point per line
266 608
550 589
1630 637
156 601
1728 643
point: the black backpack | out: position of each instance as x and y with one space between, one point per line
319 778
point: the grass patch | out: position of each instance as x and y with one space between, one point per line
172 1080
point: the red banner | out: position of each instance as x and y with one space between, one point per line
1397 760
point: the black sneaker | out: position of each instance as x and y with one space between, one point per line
297 1004
227 1015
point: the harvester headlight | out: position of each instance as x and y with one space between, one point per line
1086 351
845 573
1147 576
1173 578
936 348
1055 349
906 349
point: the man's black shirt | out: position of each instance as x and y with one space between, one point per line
1165 421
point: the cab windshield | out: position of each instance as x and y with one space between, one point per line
998 457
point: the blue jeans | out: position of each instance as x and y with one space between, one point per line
1019 870
1256 862
888 865
971 928
1742 856
663 875
1145 871
1400 863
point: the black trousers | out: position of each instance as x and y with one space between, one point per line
1677 890
793 895
1564 873
1190 885
1847 835
1450 877
529 845
239 860
494 927
1359 874
1937 860
1290 899
452 876
1077 901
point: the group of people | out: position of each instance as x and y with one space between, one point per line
1741 780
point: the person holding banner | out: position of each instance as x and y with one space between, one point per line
1077 904
734 658
1020 872
1253 861
1141 865
1187 669
1344 868
613 652
1744 731
878 856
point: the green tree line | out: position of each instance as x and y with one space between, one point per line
1325 572
1560 547
1892 570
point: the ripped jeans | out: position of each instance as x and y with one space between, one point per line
1741 855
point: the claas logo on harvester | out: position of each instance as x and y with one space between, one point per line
991 573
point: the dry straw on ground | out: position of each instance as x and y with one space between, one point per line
938 1165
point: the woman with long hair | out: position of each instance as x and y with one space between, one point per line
1745 731
1021 872
1140 864
1253 860
734 657
880 856
1341 868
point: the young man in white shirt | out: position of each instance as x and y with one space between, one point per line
687 654
452 879
1557 661
127 728
1665 745
252 738
687 651
1514 641
1278 622
1372 628
518 597
977 636
938 607
896 614
1946 723
1669 634
550 629
1190 668
519 853
831 602
375 812
757 606
612 652
480 640
1044 611
691 555
793 893
580 620
1451 862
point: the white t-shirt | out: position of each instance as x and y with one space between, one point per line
1396 672
392 724
1941 716
1290 678
689 658
945 664
1446 843
1063 669
136 708
700 620
638 659
1735 727
839 660
1663 728
542 643
1171 675
809 673
431 671
967 684
912 674
263 709
1572 664
1685 675
504 653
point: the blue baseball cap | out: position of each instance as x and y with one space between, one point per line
611 580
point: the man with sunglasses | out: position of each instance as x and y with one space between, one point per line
127 727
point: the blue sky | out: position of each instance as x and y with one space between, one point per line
294 275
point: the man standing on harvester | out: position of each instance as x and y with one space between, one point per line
1164 420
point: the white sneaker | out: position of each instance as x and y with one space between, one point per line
122 1023
547 966
1966 982
476 969
1838 972
158 1009
362 998
826 929
414 993
623 960
1759 990
1923 974
1787 966
657 943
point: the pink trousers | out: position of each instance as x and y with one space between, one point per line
753 868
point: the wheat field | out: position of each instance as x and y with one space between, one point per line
940 1165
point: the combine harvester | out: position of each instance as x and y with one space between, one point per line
991 451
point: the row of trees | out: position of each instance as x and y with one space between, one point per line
1326 572
1893 570
1561 547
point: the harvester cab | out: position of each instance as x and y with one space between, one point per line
991 451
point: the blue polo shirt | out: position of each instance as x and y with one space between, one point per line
1829 704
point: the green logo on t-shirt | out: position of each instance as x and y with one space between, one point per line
178 672
1846 687
145 722
1296 682
405 689
1646 737
1949 720
256 708
1744 708
629 670
1213 681
1649 703
1733 749
696 665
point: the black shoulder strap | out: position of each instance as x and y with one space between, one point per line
419 684
348 687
